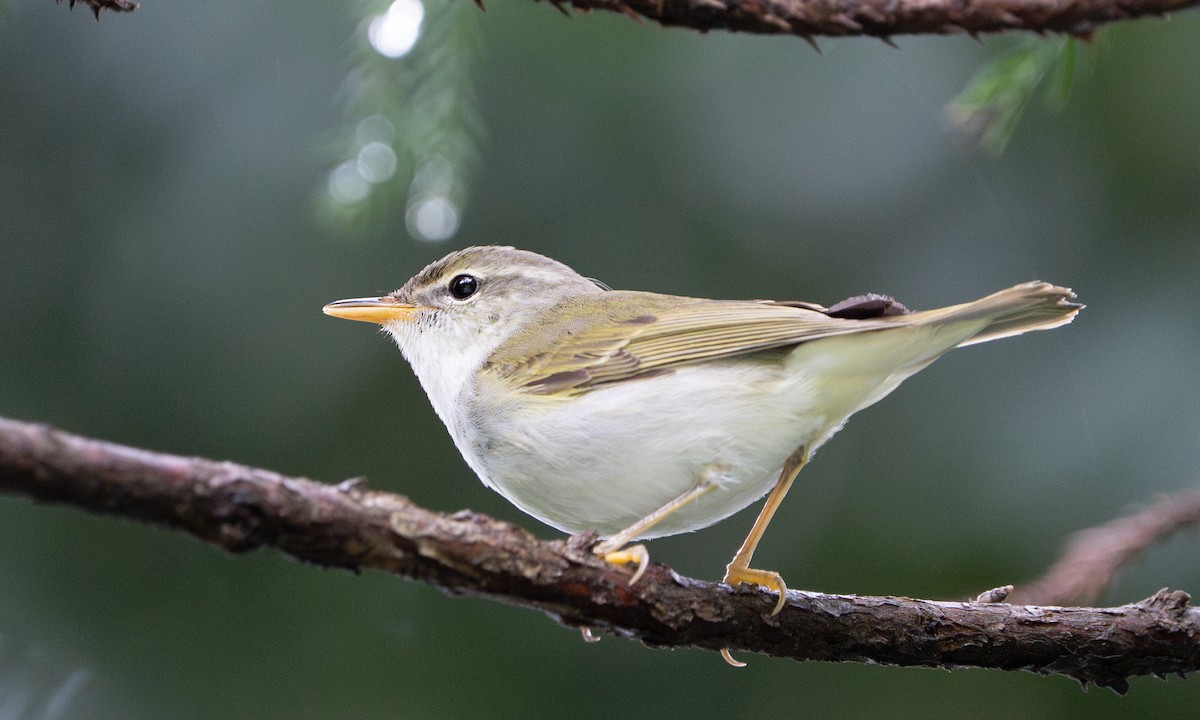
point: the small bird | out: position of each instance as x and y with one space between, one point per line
639 415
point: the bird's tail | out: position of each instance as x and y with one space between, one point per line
1020 309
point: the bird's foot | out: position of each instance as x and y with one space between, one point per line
736 574
739 574
635 554
725 654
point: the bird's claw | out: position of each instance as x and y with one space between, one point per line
736 575
636 554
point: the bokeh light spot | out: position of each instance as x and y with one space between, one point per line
375 128
394 33
347 185
432 218
376 162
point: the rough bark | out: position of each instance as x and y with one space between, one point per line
240 508
884 18
841 18
97 5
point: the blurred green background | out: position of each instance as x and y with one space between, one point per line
166 244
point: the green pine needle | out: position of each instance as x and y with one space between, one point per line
989 109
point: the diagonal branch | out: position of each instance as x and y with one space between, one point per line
884 18
239 508
1095 556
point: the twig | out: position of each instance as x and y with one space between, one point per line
885 18
97 5
1095 556
240 508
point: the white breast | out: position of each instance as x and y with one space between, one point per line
607 458
446 358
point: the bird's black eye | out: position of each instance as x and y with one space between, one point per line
464 286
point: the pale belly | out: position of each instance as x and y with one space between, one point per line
606 459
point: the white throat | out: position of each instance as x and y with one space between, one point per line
446 357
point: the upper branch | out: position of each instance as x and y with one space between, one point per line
839 18
884 18
97 5
240 508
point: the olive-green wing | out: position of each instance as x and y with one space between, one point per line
598 340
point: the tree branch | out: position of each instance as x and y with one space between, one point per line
97 5
884 18
240 508
1095 556
842 18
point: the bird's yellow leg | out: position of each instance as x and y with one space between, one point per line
613 549
739 570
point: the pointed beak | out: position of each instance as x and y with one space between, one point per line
373 310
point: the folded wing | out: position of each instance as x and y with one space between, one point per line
605 342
